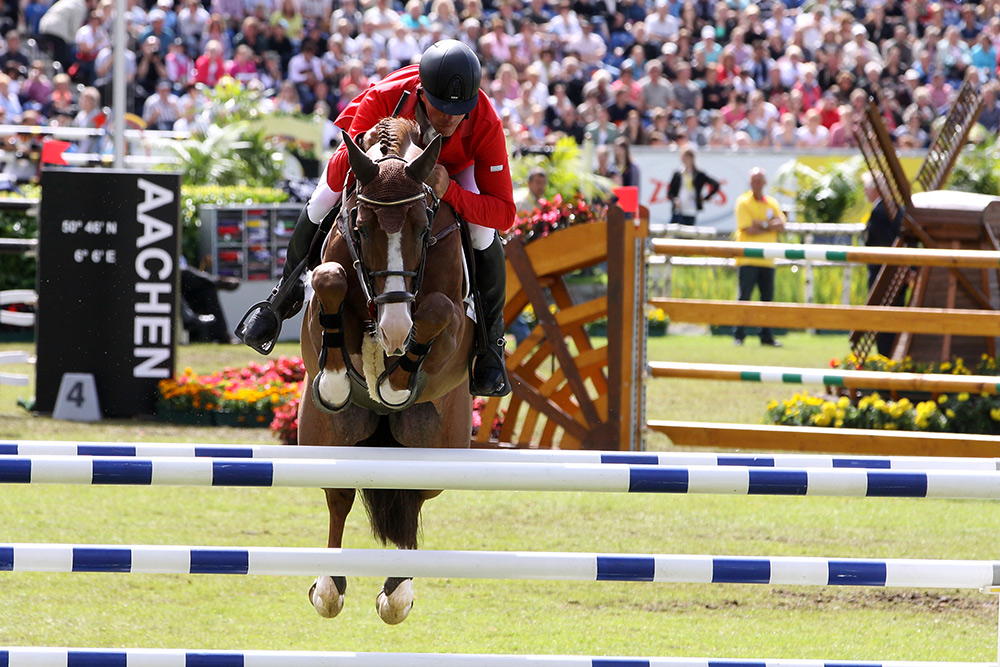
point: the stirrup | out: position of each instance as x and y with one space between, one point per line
489 356
259 309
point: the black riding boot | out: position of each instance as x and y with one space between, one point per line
261 325
488 375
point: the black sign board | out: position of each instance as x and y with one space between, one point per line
109 243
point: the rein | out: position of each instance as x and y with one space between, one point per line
347 223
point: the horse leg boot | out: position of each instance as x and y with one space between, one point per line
488 375
261 325
327 593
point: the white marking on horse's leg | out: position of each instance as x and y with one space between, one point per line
395 321
392 396
394 608
334 386
325 597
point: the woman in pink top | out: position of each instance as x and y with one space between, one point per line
242 67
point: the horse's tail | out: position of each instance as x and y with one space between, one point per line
394 515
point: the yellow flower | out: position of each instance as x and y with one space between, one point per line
843 402
949 413
943 398
890 427
963 397
995 414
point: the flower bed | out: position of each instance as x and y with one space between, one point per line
257 395
555 214
232 397
947 413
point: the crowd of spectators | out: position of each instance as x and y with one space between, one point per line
718 73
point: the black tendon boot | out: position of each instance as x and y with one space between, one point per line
488 373
261 325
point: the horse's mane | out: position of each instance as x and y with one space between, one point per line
394 136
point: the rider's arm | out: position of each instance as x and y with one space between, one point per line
494 205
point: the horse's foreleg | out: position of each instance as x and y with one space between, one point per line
332 387
327 593
432 318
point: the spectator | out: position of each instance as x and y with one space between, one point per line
661 24
158 28
63 99
279 42
403 49
565 25
161 110
812 134
104 74
656 91
910 134
33 12
272 76
304 72
150 68
241 67
192 23
348 11
626 170
588 46
783 136
842 132
287 100
538 181
881 231
210 66
217 32
180 67
634 130
36 90
413 18
686 93
383 18
90 116
57 28
686 191
14 52
989 118
288 11
759 219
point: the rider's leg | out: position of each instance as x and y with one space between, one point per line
488 375
261 325
489 370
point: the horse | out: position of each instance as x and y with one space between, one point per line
386 339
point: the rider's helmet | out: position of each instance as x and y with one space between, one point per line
449 75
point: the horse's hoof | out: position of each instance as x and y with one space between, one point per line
393 607
327 595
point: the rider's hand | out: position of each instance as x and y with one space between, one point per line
438 180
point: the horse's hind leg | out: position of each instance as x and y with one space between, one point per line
327 593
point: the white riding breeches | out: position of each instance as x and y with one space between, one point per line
323 200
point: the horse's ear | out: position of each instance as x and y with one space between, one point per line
420 168
364 168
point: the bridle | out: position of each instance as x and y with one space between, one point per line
353 235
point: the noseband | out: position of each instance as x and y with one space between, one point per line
351 232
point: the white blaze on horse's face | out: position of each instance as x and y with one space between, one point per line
394 318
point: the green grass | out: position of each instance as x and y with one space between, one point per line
470 616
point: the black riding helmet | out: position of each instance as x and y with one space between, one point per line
449 75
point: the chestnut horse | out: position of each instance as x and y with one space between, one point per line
386 343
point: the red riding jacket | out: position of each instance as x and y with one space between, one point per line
479 141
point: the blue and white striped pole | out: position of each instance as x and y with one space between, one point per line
455 475
91 657
163 449
688 569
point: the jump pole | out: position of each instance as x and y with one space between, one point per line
167 449
72 657
661 568
729 480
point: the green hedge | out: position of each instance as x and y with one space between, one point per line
17 271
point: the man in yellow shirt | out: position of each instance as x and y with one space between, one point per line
758 220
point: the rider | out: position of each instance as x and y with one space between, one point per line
472 175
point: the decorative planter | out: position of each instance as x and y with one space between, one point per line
243 419
185 417
656 328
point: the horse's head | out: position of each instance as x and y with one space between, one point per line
390 223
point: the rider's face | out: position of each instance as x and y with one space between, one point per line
444 123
